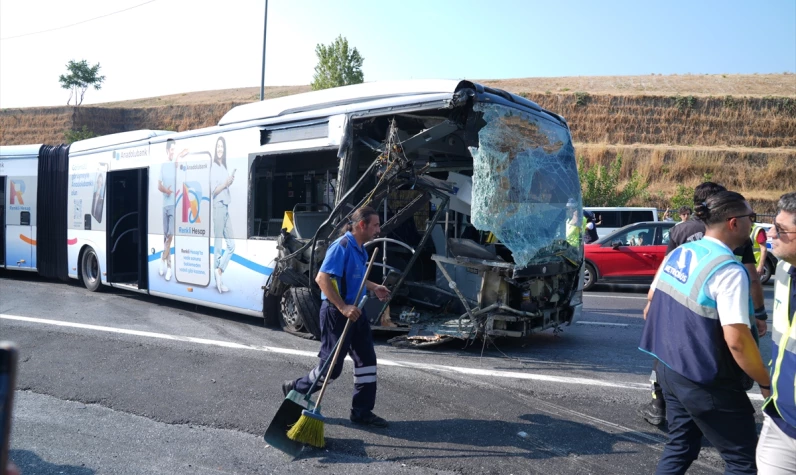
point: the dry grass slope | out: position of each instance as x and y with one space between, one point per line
738 129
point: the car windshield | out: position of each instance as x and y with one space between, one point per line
525 184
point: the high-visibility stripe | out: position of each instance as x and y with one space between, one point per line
706 272
365 379
365 370
688 302
784 341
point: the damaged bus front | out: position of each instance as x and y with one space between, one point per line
480 206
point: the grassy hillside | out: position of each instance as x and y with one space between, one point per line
738 129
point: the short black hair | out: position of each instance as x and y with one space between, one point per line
787 203
720 207
705 190
685 209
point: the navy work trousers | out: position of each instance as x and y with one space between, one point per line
724 416
358 344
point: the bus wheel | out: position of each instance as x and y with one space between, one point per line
90 270
300 312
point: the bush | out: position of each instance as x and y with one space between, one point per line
684 196
581 98
684 103
600 185
84 133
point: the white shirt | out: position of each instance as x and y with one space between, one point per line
729 287
219 175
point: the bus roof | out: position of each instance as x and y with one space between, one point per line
19 151
338 96
110 140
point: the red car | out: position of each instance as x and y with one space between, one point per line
630 255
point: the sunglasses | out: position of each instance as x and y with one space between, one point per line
778 230
752 217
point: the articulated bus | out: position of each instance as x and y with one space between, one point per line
475 187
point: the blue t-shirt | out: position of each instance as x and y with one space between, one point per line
346 261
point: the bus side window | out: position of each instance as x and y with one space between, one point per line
286 182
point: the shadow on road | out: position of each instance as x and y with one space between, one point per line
30 462
544 437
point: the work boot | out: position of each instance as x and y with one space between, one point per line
288 386
368 419
654 412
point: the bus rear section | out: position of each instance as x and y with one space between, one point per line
32 227
18 186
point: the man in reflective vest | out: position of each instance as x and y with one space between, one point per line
698 326
575 223
759 248
776 450
694 230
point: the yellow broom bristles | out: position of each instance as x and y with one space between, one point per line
307 430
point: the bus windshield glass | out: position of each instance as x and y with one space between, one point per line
525 185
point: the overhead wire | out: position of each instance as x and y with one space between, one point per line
75 24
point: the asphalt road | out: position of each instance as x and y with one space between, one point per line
116 382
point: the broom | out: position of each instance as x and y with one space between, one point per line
309 428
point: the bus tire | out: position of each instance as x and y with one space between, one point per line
90 270
300 312
270 310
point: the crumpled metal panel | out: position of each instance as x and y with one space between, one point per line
524 174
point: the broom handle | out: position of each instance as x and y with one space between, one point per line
345 332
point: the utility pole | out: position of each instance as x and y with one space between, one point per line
265 29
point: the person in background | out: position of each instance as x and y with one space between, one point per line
667 215
574 224
590 229
685 213
776 449
759 247
697 323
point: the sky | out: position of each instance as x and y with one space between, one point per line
148 48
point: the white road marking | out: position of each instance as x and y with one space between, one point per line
313 354
603 323
640 297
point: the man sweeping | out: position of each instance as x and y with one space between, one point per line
339 278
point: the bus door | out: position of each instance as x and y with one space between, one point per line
2 220
19 198
126 198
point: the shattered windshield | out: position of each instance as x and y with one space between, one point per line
525 186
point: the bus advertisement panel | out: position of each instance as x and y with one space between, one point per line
198 222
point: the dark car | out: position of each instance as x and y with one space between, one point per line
630 255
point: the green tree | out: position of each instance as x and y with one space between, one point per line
684 196
80 76
600 185
75 135
338 65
